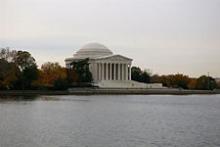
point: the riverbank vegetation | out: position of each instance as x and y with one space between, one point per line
19 71
175 80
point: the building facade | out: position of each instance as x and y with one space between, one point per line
108 70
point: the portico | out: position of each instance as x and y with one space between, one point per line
112 71
114 67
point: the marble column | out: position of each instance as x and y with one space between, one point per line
118 72
129 72
100 74
114 71
110 71
102 71
126 71
107 75
94 72
97 71
123 71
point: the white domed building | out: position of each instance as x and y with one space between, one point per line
108 70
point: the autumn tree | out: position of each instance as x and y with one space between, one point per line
180 81
18 69
172 81
218 84
155 79
9 74
8 70
53 75
192 83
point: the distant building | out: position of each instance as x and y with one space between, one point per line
217 80
108 70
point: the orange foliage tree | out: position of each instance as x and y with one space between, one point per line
174 81
50 73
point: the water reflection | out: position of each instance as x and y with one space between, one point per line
18 98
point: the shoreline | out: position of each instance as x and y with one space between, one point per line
100 91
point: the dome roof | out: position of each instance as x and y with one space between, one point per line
92 50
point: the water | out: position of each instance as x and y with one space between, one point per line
110 121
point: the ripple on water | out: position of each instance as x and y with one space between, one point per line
110 121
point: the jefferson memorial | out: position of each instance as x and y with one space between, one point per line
108 70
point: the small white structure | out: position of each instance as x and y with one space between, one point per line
108 70
217 80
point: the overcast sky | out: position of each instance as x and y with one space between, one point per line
165 36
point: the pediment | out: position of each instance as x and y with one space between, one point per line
115 58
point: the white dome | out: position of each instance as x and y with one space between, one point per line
92 50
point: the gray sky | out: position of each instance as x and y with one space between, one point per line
165 36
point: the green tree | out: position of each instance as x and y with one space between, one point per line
72 76
81 68
138 75
29 75
206 83
23 59
28 68
60 84
145 77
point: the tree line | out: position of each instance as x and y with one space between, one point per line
19 71
175 80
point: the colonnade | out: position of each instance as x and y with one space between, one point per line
112 71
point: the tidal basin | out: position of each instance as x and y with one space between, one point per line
110 121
